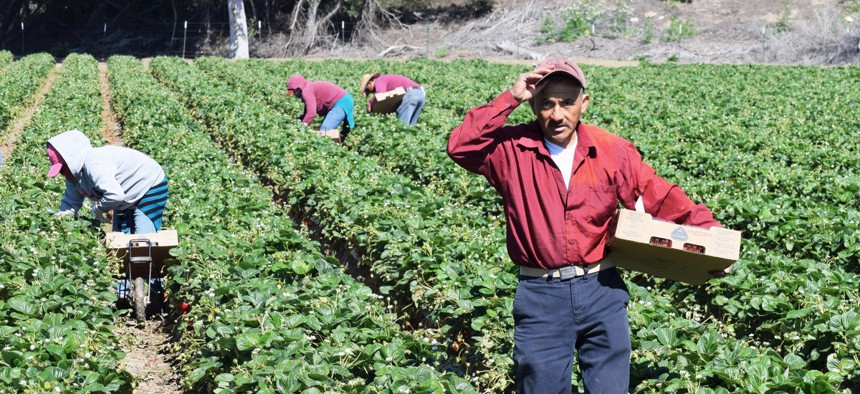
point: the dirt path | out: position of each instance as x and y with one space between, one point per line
148 355
112 131
23 119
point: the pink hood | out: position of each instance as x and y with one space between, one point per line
296 82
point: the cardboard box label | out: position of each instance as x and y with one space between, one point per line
679 234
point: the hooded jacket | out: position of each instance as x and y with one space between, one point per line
113 177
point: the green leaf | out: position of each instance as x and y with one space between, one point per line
23 305
301 266
794 361
224 377
667 337
247 340
797 313
201 370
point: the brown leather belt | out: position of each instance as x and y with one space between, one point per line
568 272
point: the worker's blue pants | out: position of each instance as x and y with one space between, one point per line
342 112
410 108
554 317
145 216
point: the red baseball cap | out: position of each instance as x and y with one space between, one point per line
56 161
563 66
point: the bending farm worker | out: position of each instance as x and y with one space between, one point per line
323 98
561 181
413 101
117 180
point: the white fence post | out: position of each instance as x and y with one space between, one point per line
184 35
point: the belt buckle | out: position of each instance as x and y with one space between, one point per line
567 272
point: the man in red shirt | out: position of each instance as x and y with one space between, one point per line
561 182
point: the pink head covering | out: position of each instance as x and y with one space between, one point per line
563 66
296 82
56 161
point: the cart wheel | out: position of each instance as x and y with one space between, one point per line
139 295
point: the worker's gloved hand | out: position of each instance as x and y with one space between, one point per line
723 273
101 216
68 212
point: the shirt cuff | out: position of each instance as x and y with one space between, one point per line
505 102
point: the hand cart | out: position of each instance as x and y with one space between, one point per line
144 257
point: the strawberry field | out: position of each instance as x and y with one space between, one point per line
379 265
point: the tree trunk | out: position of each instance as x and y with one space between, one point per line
310 33
175 20
238 46
10 31
268 17
253 10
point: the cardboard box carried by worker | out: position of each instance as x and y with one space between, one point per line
387 102
672 251
332 134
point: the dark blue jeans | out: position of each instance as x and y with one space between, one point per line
554 317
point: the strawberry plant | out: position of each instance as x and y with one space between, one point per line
56 286
5 59
19 83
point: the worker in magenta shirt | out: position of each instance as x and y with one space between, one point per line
561 181
413 101
323 98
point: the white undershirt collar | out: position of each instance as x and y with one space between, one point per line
563 158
